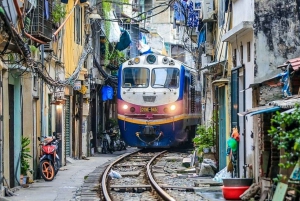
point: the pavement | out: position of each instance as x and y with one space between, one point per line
73 182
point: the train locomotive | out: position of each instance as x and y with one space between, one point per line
158 102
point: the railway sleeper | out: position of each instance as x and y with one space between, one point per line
131 188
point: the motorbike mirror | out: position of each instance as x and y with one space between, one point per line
39 138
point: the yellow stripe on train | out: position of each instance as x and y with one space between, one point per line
157 121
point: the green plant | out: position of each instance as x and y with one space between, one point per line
58 12
204 137
25 155
106 6
285 135
117 57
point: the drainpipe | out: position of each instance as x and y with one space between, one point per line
244 118
42 96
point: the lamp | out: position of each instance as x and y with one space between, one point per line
95 15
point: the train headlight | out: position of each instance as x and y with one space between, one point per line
173 107
125 107
165 60
136 60
132 109
151 59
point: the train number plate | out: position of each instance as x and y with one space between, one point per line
148 109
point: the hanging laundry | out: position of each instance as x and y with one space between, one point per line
193 16
46 11
179 10
107 93
125 40
202 37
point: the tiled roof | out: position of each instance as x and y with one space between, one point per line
295 63
286 103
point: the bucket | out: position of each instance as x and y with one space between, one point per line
99 149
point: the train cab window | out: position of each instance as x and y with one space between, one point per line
165 78
135 78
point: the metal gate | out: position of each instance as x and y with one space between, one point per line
67 126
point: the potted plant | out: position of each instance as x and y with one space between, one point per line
286 136
204 138
25 155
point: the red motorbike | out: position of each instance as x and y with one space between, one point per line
49 159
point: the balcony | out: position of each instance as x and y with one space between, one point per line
41 24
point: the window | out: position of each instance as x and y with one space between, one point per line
242 55
135 77
234 58
248 52
221 14
77 27
165 78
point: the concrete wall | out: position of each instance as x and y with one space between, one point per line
243 10
276 35
163 17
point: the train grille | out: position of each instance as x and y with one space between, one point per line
149 98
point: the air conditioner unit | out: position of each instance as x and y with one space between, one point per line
48 47
208 10
209 49
205 60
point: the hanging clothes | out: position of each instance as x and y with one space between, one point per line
193 16
125 40
46 11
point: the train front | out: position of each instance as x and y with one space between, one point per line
150 101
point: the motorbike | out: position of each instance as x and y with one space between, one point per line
111 141
49 159
106 143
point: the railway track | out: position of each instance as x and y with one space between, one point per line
144 176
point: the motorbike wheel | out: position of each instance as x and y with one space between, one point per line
47 170
104 148
57 167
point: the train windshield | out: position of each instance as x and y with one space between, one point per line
165 78
135 77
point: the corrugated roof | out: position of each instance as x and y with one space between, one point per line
295 63
288 103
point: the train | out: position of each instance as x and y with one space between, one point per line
158 102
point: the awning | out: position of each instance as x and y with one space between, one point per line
220 81
209 65
239 30
289 111
285 103
259 110
252 86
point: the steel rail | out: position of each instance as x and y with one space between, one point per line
105 175
153 183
